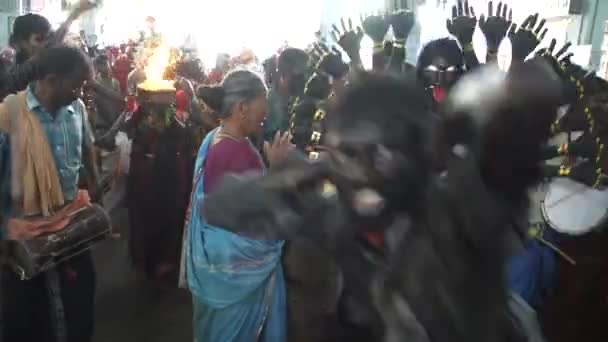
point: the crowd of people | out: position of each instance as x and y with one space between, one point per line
304 198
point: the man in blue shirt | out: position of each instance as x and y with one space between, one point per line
57 305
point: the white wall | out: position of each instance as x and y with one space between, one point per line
4 33
8 8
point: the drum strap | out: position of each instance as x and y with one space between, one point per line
57 312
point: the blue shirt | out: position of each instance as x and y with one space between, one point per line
66 134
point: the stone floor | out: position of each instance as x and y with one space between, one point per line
128 310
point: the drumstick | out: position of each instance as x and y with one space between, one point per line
77 211
538 235
556 250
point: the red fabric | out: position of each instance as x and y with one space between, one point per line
131 106
215 76
375 238
578 308
182 101
121 70
229 156
182 105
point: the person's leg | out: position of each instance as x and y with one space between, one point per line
25 309
77 277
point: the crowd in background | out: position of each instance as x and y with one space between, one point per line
430 228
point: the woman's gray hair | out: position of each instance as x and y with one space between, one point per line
238 86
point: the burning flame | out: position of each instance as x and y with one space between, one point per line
155 68
157 63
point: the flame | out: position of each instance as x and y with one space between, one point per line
155 68
157 63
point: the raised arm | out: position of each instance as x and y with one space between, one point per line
462 26
402 22
495 28
349 40
376 27
525 39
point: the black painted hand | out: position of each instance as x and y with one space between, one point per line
330 61
376 26
402 21
495 26
463 22
559 55
557 59
525 39
349 38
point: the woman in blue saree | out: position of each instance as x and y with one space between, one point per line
237 284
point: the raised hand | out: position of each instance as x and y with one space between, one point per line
571 74
463 22
349 38
277 150
330 60
313 55
558 60
402 21
527 38
376 26
496 25
560 55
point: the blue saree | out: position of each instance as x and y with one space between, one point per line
237 284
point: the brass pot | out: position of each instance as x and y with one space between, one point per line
159 96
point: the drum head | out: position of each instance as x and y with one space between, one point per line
574 208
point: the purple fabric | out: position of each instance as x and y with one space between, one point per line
229 156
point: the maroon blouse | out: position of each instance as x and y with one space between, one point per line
229 156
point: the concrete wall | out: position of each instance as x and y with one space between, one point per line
8 9
4 32
592 32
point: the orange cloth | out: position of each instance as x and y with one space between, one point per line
35 183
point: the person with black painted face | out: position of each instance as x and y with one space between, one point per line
443 61
440 65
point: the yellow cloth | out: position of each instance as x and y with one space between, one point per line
35 183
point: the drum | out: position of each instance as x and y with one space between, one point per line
574 208
29 258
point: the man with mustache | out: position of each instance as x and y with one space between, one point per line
55 306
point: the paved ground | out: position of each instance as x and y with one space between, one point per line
128 309
131 311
